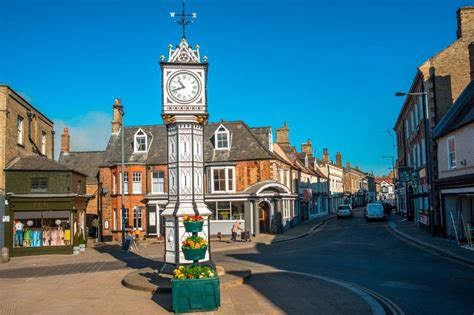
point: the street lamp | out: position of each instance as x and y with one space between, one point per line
122 179
427 149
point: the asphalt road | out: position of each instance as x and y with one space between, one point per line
368 255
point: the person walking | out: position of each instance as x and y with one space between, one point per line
235 228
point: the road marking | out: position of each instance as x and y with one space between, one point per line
349 243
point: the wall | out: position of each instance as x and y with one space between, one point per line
58 183
251 172
11 106
464 144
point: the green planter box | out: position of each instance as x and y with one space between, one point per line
193 226
195 295
194 254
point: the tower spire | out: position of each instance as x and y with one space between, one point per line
184 18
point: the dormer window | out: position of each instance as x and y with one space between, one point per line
222 138
140 142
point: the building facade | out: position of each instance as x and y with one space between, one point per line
436 86
24 130
455 152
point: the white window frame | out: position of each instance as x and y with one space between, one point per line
137 182
158 182
19 129
452 164
137 147
137 214
222 132
114 183
125 183
43 142
114 220
226 172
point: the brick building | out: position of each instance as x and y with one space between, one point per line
244 179
24 130
442 78
85 162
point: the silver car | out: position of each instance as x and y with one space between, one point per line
344 211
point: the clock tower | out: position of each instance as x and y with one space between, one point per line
184 111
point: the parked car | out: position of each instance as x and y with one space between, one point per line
374 211
344 211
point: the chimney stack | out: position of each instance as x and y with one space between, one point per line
348 165
325 155
307 148
65 141
282 135
465 22
339 159
471 59
118 116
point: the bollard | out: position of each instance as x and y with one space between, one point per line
5 255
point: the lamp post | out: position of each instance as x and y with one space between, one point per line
122 179
427 150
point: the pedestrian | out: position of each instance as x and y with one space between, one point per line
235 228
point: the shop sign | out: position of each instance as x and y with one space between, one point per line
422 173
404 176
6 218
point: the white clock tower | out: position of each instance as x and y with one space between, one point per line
184 111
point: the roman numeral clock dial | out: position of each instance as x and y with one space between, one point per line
184 87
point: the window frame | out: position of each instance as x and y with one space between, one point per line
451 165
217 140
43 142
125 182
140 134
226 179
39 181
19 129
158 182
137 183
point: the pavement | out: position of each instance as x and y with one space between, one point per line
446 248
91 283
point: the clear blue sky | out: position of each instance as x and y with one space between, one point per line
328 68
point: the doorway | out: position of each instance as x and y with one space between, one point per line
264 217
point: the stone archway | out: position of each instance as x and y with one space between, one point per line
264 216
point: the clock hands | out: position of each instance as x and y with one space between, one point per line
179 88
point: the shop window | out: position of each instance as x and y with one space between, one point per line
42 228
137 182
39 185
137 218
226 210
451 153
158 182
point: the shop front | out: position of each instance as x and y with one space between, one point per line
36 225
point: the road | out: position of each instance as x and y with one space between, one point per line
367 254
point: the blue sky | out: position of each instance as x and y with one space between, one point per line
328 68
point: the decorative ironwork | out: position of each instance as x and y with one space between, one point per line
184 18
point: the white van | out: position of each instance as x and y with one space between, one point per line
374 211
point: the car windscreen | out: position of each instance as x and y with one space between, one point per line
344 208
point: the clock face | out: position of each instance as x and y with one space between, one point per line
184 87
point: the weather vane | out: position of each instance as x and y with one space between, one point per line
185 19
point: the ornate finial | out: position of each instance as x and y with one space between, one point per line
204 58
162 58
183 20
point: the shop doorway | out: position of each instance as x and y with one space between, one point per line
264 217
